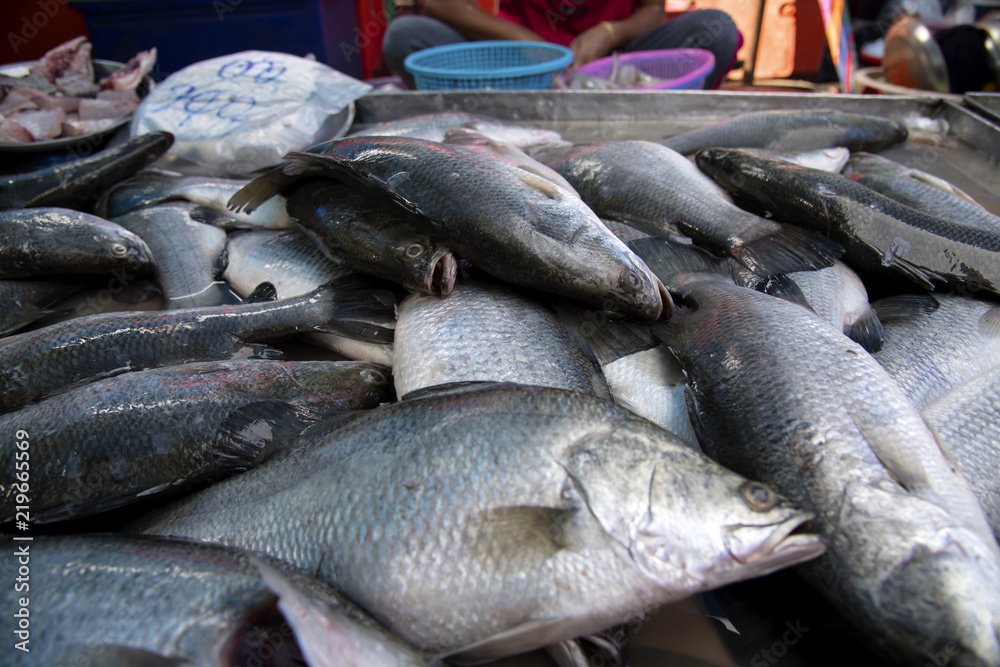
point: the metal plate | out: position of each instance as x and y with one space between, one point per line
102 68
986 104
912 57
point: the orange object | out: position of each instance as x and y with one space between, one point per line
791 37
489 6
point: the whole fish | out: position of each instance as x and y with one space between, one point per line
115 295
933 343
786 130
73 184
837 295
641 372
967 421
658 191
779 395
507 221
190 255
489 520
39 362
25 301
155 186
370 236
435 126
880 234
132 600
920 190
110 442
295 265
51 240
486 332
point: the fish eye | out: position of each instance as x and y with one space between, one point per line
415 250
758 497
374 377
118 250
630 281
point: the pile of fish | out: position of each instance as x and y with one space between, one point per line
540 389
60 95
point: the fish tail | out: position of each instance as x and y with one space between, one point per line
867 331
787 250
670 260
259 190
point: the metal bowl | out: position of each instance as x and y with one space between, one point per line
102 68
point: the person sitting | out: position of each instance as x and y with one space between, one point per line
592 29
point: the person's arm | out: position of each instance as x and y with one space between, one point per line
470 20
596 42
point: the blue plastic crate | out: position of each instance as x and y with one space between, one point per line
189 31
497 65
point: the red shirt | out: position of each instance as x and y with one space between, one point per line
560 21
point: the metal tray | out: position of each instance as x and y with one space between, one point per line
985 104
947 139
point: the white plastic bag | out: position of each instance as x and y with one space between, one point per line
238 113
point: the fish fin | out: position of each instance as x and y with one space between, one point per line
449 388
262 294
867 331
260 189
788 250
528 529
89 380
669 260
526 636
253 432
116 655
989 323
907 470
210 216
783 287
362 310
905 306
600 340
920 275
539 183
567 653
601 648
367 332
25 316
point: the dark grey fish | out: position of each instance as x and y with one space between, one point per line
658 191
190 255
172 429
132 600
790 130
507 221
488 520
967 421
74 184
37 363
781 396
371 236
919 190
880 235
933 343
49 240
25 301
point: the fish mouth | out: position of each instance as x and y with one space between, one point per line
666 300
442 279
792 541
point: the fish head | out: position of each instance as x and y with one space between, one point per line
328 388
130 252
798 193
687 522
637 291
428 265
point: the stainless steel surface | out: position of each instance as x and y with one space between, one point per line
102 68
986 105
912 57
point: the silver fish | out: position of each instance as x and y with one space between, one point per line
489 520
486 332
837 295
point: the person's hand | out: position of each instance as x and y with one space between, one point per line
590 45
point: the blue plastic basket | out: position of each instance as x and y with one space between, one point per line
498 65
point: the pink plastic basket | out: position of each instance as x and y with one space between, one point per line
680 69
